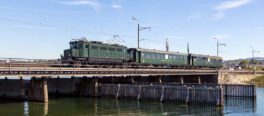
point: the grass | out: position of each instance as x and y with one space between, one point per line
259 81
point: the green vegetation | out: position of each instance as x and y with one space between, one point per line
259 81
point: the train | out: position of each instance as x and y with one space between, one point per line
99 53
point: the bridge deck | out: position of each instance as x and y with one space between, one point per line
51 71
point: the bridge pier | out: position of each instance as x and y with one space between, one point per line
160 80
62 86
88 87
199 79
38 90
132 80
182 81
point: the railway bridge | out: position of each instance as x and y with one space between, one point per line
37 83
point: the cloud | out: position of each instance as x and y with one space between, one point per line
227 5
218 15
231 4
92 3
115 6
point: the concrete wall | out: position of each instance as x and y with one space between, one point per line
62 86
12 88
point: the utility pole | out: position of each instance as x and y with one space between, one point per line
138 30
253 57
167 45
218 44
188 48
253 53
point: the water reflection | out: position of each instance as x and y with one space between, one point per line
46 109
123 107
239 105
26 109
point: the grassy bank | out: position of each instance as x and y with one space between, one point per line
259 81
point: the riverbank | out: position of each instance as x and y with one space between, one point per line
238 78
259 81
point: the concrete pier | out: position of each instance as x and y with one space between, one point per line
62 86
88 87
38 90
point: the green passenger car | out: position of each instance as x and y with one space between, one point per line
206 61
93 51
157 57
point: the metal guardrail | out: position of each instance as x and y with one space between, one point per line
98 71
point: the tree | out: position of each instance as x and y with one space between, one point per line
244 63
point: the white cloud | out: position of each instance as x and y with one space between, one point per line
218 15
227 5
115 6
92 3
231 4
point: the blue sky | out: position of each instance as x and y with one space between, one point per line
43 28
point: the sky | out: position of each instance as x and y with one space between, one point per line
42 29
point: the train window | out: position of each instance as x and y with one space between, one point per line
94 47
71 45
160 56
111 49
170 56
156 56
194 58
148 56
153 56
103 48
166 56
209 60
180 57
119 49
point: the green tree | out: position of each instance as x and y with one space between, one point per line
244 63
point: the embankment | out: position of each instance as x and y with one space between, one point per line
241 79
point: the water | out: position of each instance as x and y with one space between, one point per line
110 106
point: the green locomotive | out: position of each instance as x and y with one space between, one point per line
94 52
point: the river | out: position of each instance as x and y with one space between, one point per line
81 106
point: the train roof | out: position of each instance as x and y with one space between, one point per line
160 51
201 55
84 40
